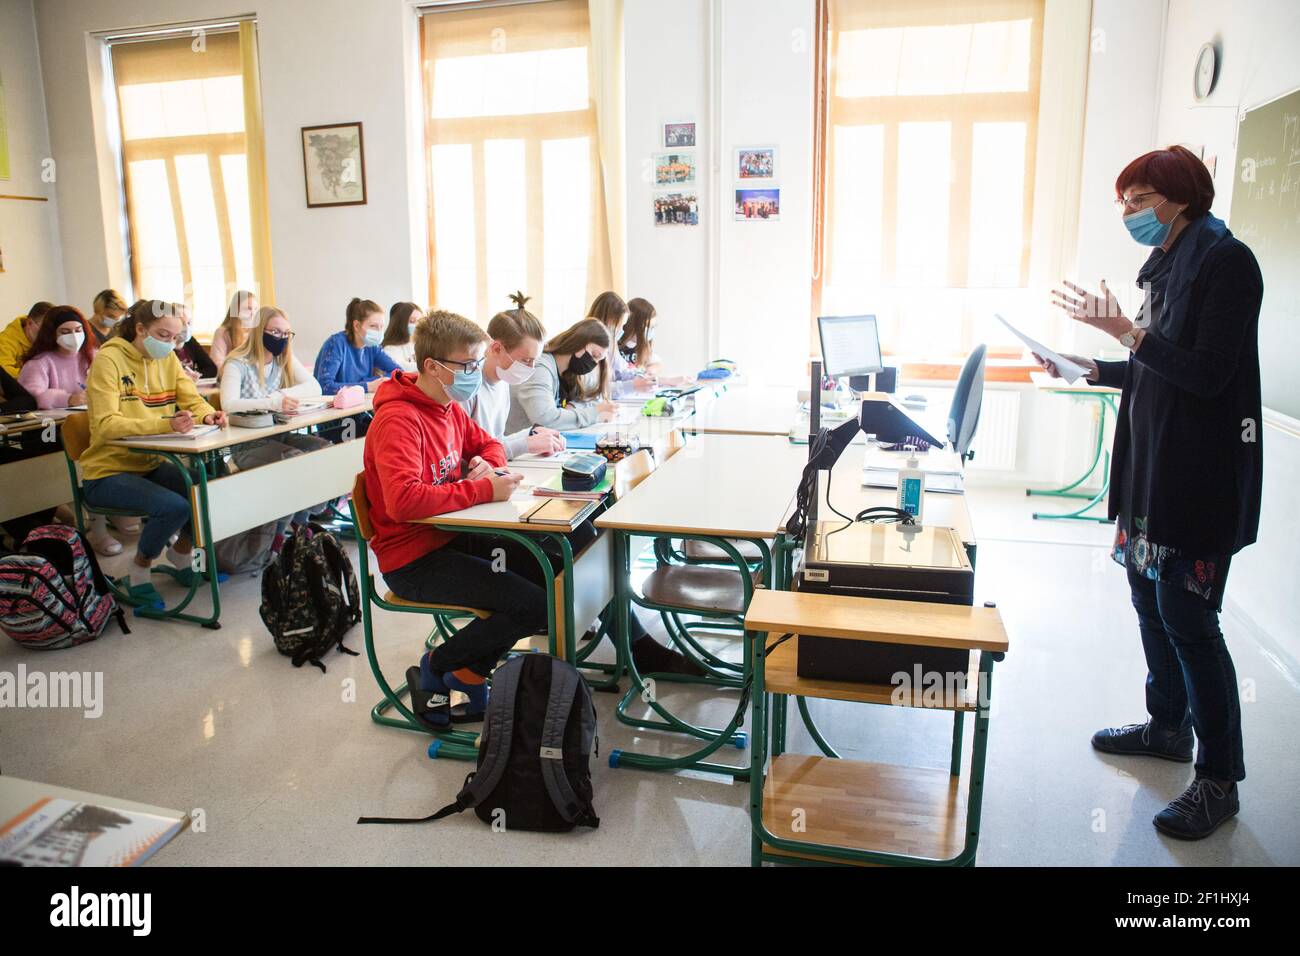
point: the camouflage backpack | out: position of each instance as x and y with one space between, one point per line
310 598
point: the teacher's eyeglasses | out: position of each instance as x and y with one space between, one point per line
1132 202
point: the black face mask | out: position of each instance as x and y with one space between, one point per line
272 344
582 364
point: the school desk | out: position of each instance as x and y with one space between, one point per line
33 484
824 809
226 505
748 410
718 489
579 591
1106 399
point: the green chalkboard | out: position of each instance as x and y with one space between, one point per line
1266 216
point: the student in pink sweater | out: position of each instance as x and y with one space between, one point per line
54 372
58 362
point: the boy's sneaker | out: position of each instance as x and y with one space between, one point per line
1203 808
1146 740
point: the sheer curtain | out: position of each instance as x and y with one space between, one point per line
928 167
186 165
514 167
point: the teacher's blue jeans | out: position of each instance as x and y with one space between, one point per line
160 495
1190 676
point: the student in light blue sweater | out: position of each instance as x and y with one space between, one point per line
355 356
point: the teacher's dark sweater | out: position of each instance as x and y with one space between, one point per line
1188 455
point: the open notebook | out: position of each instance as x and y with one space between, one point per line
194 434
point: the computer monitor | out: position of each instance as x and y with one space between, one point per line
850 345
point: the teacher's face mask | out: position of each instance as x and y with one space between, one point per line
1145 228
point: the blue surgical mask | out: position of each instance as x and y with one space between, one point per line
182 337
156 348
1145 228
464 384
374 337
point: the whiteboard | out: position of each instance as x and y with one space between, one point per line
1266 216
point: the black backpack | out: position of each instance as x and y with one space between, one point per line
310 598
534 768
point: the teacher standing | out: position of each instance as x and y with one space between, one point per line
1187 469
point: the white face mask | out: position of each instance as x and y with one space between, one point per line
72 341
516 374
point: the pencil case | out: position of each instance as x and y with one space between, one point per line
582 472
251 419
349 396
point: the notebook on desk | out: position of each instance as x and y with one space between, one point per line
194 434
559 511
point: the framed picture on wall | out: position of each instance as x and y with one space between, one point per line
334 165
677 208
679 135
758 205
675 169
756 162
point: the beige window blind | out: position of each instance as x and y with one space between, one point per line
928 149
181 101
514 183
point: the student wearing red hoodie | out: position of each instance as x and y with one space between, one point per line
424 456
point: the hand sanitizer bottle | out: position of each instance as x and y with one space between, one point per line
911 488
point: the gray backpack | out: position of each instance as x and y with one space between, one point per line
534 757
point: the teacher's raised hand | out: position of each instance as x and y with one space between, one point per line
1100 311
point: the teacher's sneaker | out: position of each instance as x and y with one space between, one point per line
1203 807
1146 740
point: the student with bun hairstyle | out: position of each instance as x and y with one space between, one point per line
107 311
516 343
558 394
356 355
241 316
398 342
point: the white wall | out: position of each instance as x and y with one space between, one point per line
29 234
666 56
1257 42
322 61
743 70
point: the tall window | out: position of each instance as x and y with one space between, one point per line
931 115
181 103
513 165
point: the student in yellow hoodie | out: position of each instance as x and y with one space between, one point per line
137 387
17 337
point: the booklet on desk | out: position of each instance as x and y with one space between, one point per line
194 434
56 831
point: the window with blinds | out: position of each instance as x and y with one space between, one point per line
514 181
184 159
929 142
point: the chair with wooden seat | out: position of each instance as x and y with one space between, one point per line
459 744
76 439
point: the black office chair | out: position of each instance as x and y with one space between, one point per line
964 414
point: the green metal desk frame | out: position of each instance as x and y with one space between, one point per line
194 470
1105 400
761 837
718 673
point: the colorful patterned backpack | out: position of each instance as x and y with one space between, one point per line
52 593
